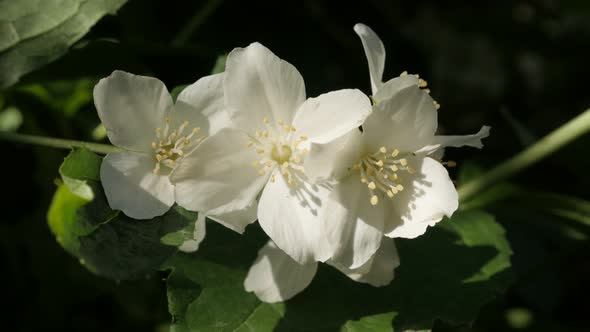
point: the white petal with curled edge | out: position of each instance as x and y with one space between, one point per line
131 107
441 142
353 226
259 85
331 115
202 105
394 86
131 186
199 233
218 176
407 121
333 160
238 220
375 52
276 277
426 199
379 270
291 216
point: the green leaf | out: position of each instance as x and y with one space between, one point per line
178 237
376 323
10 119
65 96
77 169
34 33
177 90
219 66
448 274
107 242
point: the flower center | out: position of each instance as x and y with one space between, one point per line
280 153
277 150
170 147
379 171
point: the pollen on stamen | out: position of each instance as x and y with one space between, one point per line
383 149
394 153
372 185
265 121
303 138
450 163
403 162
374 200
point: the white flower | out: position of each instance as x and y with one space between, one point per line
154 135
390 179
263 151
276 277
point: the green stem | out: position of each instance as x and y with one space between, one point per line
57 142
193 24
541 149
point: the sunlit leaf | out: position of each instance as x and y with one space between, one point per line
34 33
448 274
10 119
106 241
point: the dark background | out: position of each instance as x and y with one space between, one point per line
520 66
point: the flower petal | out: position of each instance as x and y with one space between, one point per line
332 161
238 220
394 86
331 115
131 186
202 105
218 177
441 142
291 216
375 52
276 277
406 121
353 226
377 271
427 197
131 107
198 235
259 85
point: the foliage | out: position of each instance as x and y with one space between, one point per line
34 33
107 242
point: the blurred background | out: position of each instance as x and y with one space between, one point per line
518 66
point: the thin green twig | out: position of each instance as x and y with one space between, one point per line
541 149
57 142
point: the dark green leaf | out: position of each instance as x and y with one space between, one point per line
448 274
34 33
219 66
177 90
106 241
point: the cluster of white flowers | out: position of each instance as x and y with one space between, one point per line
331 179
